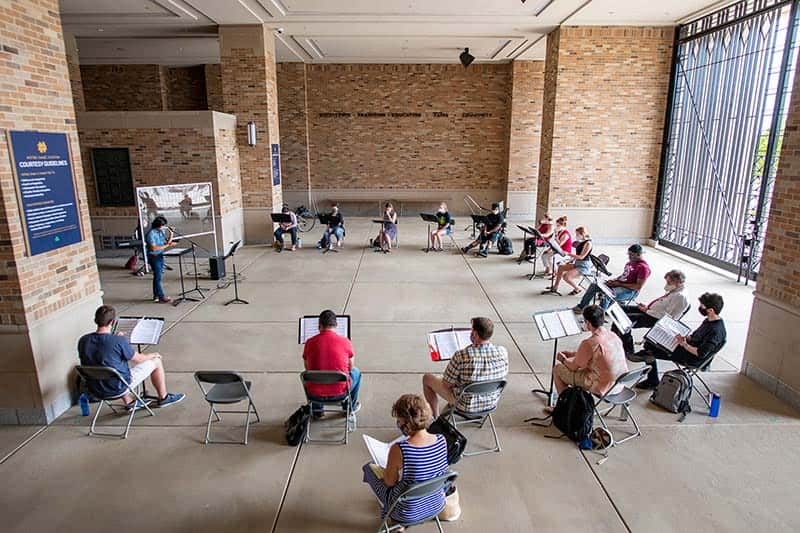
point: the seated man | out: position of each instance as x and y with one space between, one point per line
329 351
597 364
693 350
672 303
490 233
481 361
102 348
287 227
335 228
626 286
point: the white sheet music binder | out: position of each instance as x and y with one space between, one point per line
664 332
140 330
443 343
556 324
619 318
309 326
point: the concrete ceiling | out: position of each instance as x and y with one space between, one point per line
184 32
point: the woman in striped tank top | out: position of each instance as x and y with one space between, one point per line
421 457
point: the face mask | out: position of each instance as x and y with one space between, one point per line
703 311
669 287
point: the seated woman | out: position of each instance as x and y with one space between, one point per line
580 265
420 457
531 243
335 228
597 364
389 228
443 226
286 227
564 239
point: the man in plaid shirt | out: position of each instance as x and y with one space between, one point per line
481 361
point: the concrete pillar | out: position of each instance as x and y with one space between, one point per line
605 94
74 65
524 137
249 91
48 300
770 356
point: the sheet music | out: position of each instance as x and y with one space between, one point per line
567 319
606 290
540 324
556 324
145 330
554 328
665 330
379 450
619 318
309 326
449 342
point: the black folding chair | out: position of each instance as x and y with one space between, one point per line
343 401
106 373
416 491
479 418
225 387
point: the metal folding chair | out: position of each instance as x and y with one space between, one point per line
622 399
103 373
694 373
480 418
226 388
344 401
420 490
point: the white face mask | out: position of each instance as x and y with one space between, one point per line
669 287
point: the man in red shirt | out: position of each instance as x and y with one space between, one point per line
330 351
626 286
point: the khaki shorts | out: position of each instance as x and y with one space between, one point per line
140 372
574 378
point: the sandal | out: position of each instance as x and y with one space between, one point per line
575 292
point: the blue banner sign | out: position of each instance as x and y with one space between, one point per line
46 190
276 164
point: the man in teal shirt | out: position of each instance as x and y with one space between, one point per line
157 243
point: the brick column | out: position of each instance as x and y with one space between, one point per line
603 118
249 91
770 356
46 301
524 137
73 63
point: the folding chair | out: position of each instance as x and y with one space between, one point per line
344 401
694 373
226 388
481 387
623 399
420 490
102 373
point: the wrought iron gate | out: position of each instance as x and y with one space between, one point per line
732 77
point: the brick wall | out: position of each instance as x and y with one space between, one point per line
213 87
123 87
398 142
525 125
35 94
73 63
606 92
548 119
186 89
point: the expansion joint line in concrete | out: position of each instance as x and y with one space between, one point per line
286 487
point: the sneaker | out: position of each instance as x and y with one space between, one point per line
640 357
356 407
170 399
646 385
577 310
139 404
164 300
465 249
483 253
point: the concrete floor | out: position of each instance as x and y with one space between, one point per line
736 472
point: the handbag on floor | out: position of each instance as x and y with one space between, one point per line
295 426
456 441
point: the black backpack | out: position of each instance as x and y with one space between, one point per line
296 425
504 246
574 413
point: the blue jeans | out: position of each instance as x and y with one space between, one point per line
338 231
355 385
279 235
157 264
620 294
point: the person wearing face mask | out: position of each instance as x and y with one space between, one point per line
490 232
673 303
480 361
578 265
626 286
335 228
530 244
443 220
388 231
421 456
597 363
694 350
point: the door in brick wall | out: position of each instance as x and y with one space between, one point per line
732 76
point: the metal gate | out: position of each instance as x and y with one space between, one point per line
732 77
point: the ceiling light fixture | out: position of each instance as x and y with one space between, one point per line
466 58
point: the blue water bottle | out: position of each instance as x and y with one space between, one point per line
714 400
84 401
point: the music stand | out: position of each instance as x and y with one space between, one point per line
194 245
478 220
325 220
235 299
557 250
554 325
430 219
529 230
380 234
281 218
179 253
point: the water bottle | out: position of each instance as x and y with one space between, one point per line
299 242
585 444
714 399
84 401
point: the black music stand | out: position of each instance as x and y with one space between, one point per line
569 327
478 220
281 218
430 219
194 245
557 250
325 220
235 299
179 253
381 233
530 231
